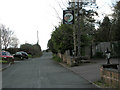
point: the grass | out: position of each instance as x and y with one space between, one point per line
101 84
3 61
30 56
34 56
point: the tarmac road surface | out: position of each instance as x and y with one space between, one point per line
41 72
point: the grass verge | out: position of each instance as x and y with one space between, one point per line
101 84
3 61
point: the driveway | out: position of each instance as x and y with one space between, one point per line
42 73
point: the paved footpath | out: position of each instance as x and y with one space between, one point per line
42 73
91 71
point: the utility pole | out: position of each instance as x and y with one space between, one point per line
0 59
0 41
74 32
79 28
37 38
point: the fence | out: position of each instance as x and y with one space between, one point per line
101 47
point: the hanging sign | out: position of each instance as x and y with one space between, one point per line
68 17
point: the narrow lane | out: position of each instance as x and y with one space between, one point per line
42 73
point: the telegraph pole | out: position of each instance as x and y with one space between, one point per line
74 32
37 38
79 28
0 42
0 59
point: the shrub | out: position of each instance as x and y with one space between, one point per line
99 55
56 58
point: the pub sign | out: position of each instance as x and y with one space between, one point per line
68 17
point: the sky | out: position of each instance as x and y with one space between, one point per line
26 17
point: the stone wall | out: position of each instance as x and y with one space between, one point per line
66 58
111 77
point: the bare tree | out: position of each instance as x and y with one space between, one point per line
7 38
62 5
14 42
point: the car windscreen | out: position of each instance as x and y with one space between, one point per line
8 53
18 53
4 53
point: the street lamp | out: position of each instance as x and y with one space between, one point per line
108 56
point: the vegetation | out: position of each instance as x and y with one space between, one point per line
32 50
56 58
99 55
103 32
108 31
3 61
62 38
6 61
8 39
10 43
109 28
101 84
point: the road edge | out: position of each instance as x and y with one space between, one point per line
2 69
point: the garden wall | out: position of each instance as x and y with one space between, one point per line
111 77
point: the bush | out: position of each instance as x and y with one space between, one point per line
117 49
99 55
56 58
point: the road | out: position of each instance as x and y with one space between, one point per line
41 72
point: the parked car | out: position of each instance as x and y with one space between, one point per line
6 57
21 55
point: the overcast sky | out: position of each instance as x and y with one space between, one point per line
25 17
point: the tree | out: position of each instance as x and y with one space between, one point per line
6 35
61 39
34 50
50 46
116 22
103 32
116 28
27 48
14 42
7 38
